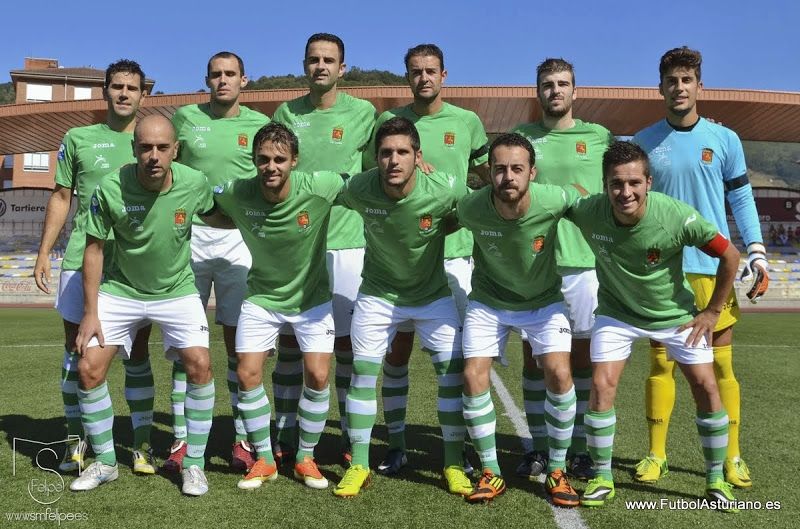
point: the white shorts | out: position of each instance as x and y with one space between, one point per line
486 329
69 297
221 257
375 323
257 329
612 339
344 273
579 287
459 278
182 320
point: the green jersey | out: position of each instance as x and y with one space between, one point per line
151 232
221 148
453 140
570 156
286 240
404 256
515 265
639 267
332 139
86 155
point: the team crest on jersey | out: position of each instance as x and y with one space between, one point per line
243 140
180 217
450 138
707 156
653 256
580 147
303 220
337 134
426 223
537 245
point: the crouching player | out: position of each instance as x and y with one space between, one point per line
638 239
148 206
283 216
515 285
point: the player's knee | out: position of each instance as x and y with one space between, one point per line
90 375
198 368
248 376
316 379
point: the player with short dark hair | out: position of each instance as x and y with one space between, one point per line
701 163
638 238
333 128
406 215
568 150
86 156
216 138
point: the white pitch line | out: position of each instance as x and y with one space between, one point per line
565 518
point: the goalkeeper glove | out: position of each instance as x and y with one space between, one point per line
755 275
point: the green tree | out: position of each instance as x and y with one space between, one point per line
7 95
353 77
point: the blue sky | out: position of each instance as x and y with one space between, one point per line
753 44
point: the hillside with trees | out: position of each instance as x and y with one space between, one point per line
7 95
353 77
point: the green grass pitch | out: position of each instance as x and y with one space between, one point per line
766 363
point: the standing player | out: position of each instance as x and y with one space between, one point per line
514 223
283 217
333 128
86 155
453 141
148 206
568 150
405 217
215 138
638 238
701 163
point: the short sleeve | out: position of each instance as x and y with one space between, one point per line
479 149
65 163
327 185
205 196
369 159
696 230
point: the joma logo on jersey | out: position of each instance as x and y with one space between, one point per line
201 129
373 211
450 138
337 134
131 209
491 233
707 156
253 213
425 223
180 217
243 140
580 147
303 220
103 146
601 237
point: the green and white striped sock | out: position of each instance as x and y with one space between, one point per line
97 416
178 398
600 427
394 394
344 370
69 393
713 430
449 368
582 378
233 389
362 405
533 396
287 386
481 421
199 415
312 413
255 410
559 415
140 392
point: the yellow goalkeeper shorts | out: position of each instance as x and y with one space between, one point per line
703 286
